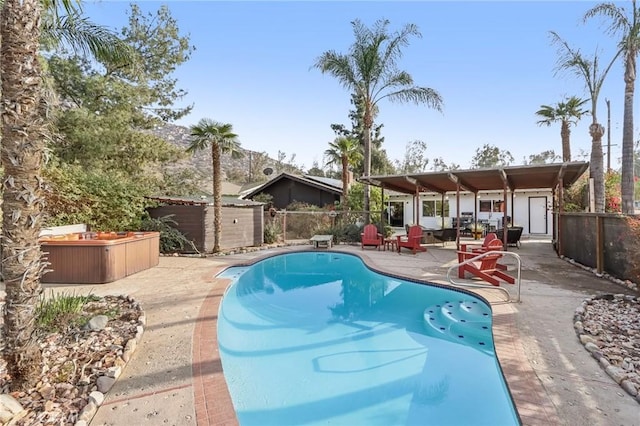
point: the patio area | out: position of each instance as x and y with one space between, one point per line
552 378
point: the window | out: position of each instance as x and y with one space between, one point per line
485 206
488 206
433 208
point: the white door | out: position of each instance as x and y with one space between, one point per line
538 215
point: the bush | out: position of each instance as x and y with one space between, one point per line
104 201
343 233
61 311
271 232
171 240
306 224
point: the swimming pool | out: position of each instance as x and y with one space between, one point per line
319 338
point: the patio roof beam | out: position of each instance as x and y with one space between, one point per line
397 188
386 185
430 187
462 183
505 180
560 175
411 180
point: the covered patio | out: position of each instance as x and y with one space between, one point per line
555 177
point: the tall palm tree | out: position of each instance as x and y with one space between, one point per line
572 60
220 138
628 25
567 113
346 152
23 144
369 70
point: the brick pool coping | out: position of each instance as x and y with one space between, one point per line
213 404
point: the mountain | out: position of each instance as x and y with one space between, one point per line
242 171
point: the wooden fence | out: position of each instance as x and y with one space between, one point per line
607 242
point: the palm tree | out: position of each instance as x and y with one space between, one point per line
23 145
370 72
572 60
24 128
220 138
345 151
629 26
567 113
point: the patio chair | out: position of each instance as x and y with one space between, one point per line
481 248
514 233
411 240
485 268
371 237
445 234
491 242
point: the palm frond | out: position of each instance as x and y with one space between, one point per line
417 95
339 66
209 132
618 21
85 37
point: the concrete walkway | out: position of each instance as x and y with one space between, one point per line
175 376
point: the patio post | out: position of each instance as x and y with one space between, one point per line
504 218
458 215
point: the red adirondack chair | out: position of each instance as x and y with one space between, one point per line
371 237
477 248
485 268
491 242
412 239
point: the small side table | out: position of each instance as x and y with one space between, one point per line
391 244
322 241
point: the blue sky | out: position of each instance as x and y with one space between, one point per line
492 62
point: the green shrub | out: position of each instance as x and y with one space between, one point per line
342 233
105 201
171 240
351 233
271 232
310 220
61 311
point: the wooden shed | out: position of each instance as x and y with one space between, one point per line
242 221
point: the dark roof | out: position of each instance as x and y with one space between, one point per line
226 201
539 176
336 183
325 184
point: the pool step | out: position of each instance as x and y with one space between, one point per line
465 321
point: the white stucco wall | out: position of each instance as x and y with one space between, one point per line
523 202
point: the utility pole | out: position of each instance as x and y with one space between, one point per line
608 134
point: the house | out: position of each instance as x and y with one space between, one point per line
526 195
530 209
286 188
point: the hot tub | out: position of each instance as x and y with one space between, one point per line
98 257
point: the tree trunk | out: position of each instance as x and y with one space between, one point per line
626 184
217 197
345 179
23 136
366 136
565 135
596 167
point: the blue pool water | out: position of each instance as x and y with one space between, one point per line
318 338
